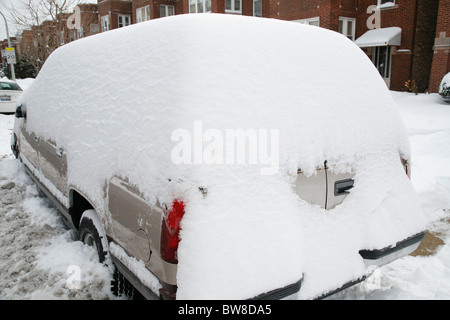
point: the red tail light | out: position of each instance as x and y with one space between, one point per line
170 231
408 171
407 167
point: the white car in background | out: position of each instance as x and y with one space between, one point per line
10 93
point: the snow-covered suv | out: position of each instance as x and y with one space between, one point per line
223 157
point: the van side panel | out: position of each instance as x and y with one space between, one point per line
28 145
53 164
137 228
130 219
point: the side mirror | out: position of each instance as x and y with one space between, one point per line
21 112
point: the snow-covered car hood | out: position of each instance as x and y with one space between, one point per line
251 233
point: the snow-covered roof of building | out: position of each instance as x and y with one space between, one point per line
380 37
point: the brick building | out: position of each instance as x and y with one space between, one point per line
410 42
416 49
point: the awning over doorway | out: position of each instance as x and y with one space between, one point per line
380 37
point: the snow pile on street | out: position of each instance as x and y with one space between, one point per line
252 233
38 257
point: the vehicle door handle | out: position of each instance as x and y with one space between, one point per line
59 152
342 187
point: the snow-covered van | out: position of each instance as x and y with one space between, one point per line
223 157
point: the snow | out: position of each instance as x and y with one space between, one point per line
380 37
427 119
250 226
31 231
445 83
232 246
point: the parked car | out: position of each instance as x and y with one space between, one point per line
444 88
223 157
9 95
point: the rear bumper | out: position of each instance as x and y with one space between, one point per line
7 107
379 257
287 292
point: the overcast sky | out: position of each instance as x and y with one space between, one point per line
5 11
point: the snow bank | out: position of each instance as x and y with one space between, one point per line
38 257
119 96
6 125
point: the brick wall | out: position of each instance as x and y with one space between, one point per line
113 8
441 55
426 17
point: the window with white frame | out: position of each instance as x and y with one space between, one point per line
233 6
311 21
386 3
257 8
105 23
124 20
165 10
199 6
143 14
347 27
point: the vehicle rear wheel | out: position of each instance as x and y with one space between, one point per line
90 234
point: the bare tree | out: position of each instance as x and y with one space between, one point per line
44 27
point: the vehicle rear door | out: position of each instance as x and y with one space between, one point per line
312 189
326 187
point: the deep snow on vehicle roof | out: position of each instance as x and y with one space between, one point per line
228 72
117 98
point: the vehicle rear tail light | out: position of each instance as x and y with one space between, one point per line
170 231
408 170
407 167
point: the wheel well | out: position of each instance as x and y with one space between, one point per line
79 204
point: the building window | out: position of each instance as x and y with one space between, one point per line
381 58
93 28
80 33
105 23
257 8
311 21
143 14
347 27
166 10
199 6
386 3
124 20
233 6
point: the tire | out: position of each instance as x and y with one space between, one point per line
91 236
91 233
